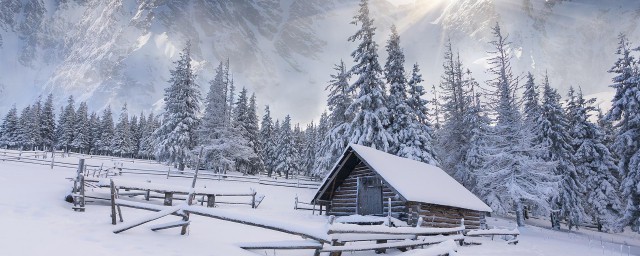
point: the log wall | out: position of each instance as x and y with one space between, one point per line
444 216
343 202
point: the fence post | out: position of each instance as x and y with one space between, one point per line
53 157
148 194
295 207
113 202
253 200
168 172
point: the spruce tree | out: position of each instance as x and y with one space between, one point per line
267 140
287 151
47 124
337 123
106 132
177 135
596 163
369 108
67 126
552 133
10 129
82 129
511 175
96 133
531 100
121 142
625 114
25 124
36 123
419 137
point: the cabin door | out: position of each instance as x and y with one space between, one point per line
369 200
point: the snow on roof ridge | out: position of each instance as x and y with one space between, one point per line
435 185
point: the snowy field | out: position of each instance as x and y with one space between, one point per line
37 221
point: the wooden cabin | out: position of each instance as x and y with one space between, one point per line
366 181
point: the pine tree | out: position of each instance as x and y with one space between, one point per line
595 162
96 133
309 148
320 158
268 141
337 123
552 133
418 141
625 114
253 131
36 117
25 124
531 100
66 125
511 175
10 129
177 135
47 124
287 152
121 142
370 114
134 128
106 132
82 129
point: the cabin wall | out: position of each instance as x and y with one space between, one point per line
343 202
444 216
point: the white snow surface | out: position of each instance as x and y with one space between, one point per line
37 221
420 182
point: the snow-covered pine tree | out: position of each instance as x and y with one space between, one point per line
531 100
625 114
369 108
399 113
134 127
337 123
121 143
267 140
177 135
552 133
10 129
94 124
215 103
309 148
82 129
418 145
286 161
138 133
298 143
106 132
47 124
511 175
253 131
36 117
24 129
595 162
456 96
322 132
146 147
66 125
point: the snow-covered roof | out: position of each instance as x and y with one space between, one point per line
417 181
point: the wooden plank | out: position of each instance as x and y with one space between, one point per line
281 245
211 213
411 243
150 218
175 224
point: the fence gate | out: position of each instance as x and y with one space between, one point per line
369 200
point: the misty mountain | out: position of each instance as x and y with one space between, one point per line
111 52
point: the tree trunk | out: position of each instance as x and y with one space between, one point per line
519 213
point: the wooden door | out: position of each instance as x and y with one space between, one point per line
369 200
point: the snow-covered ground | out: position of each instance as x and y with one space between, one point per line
37 221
